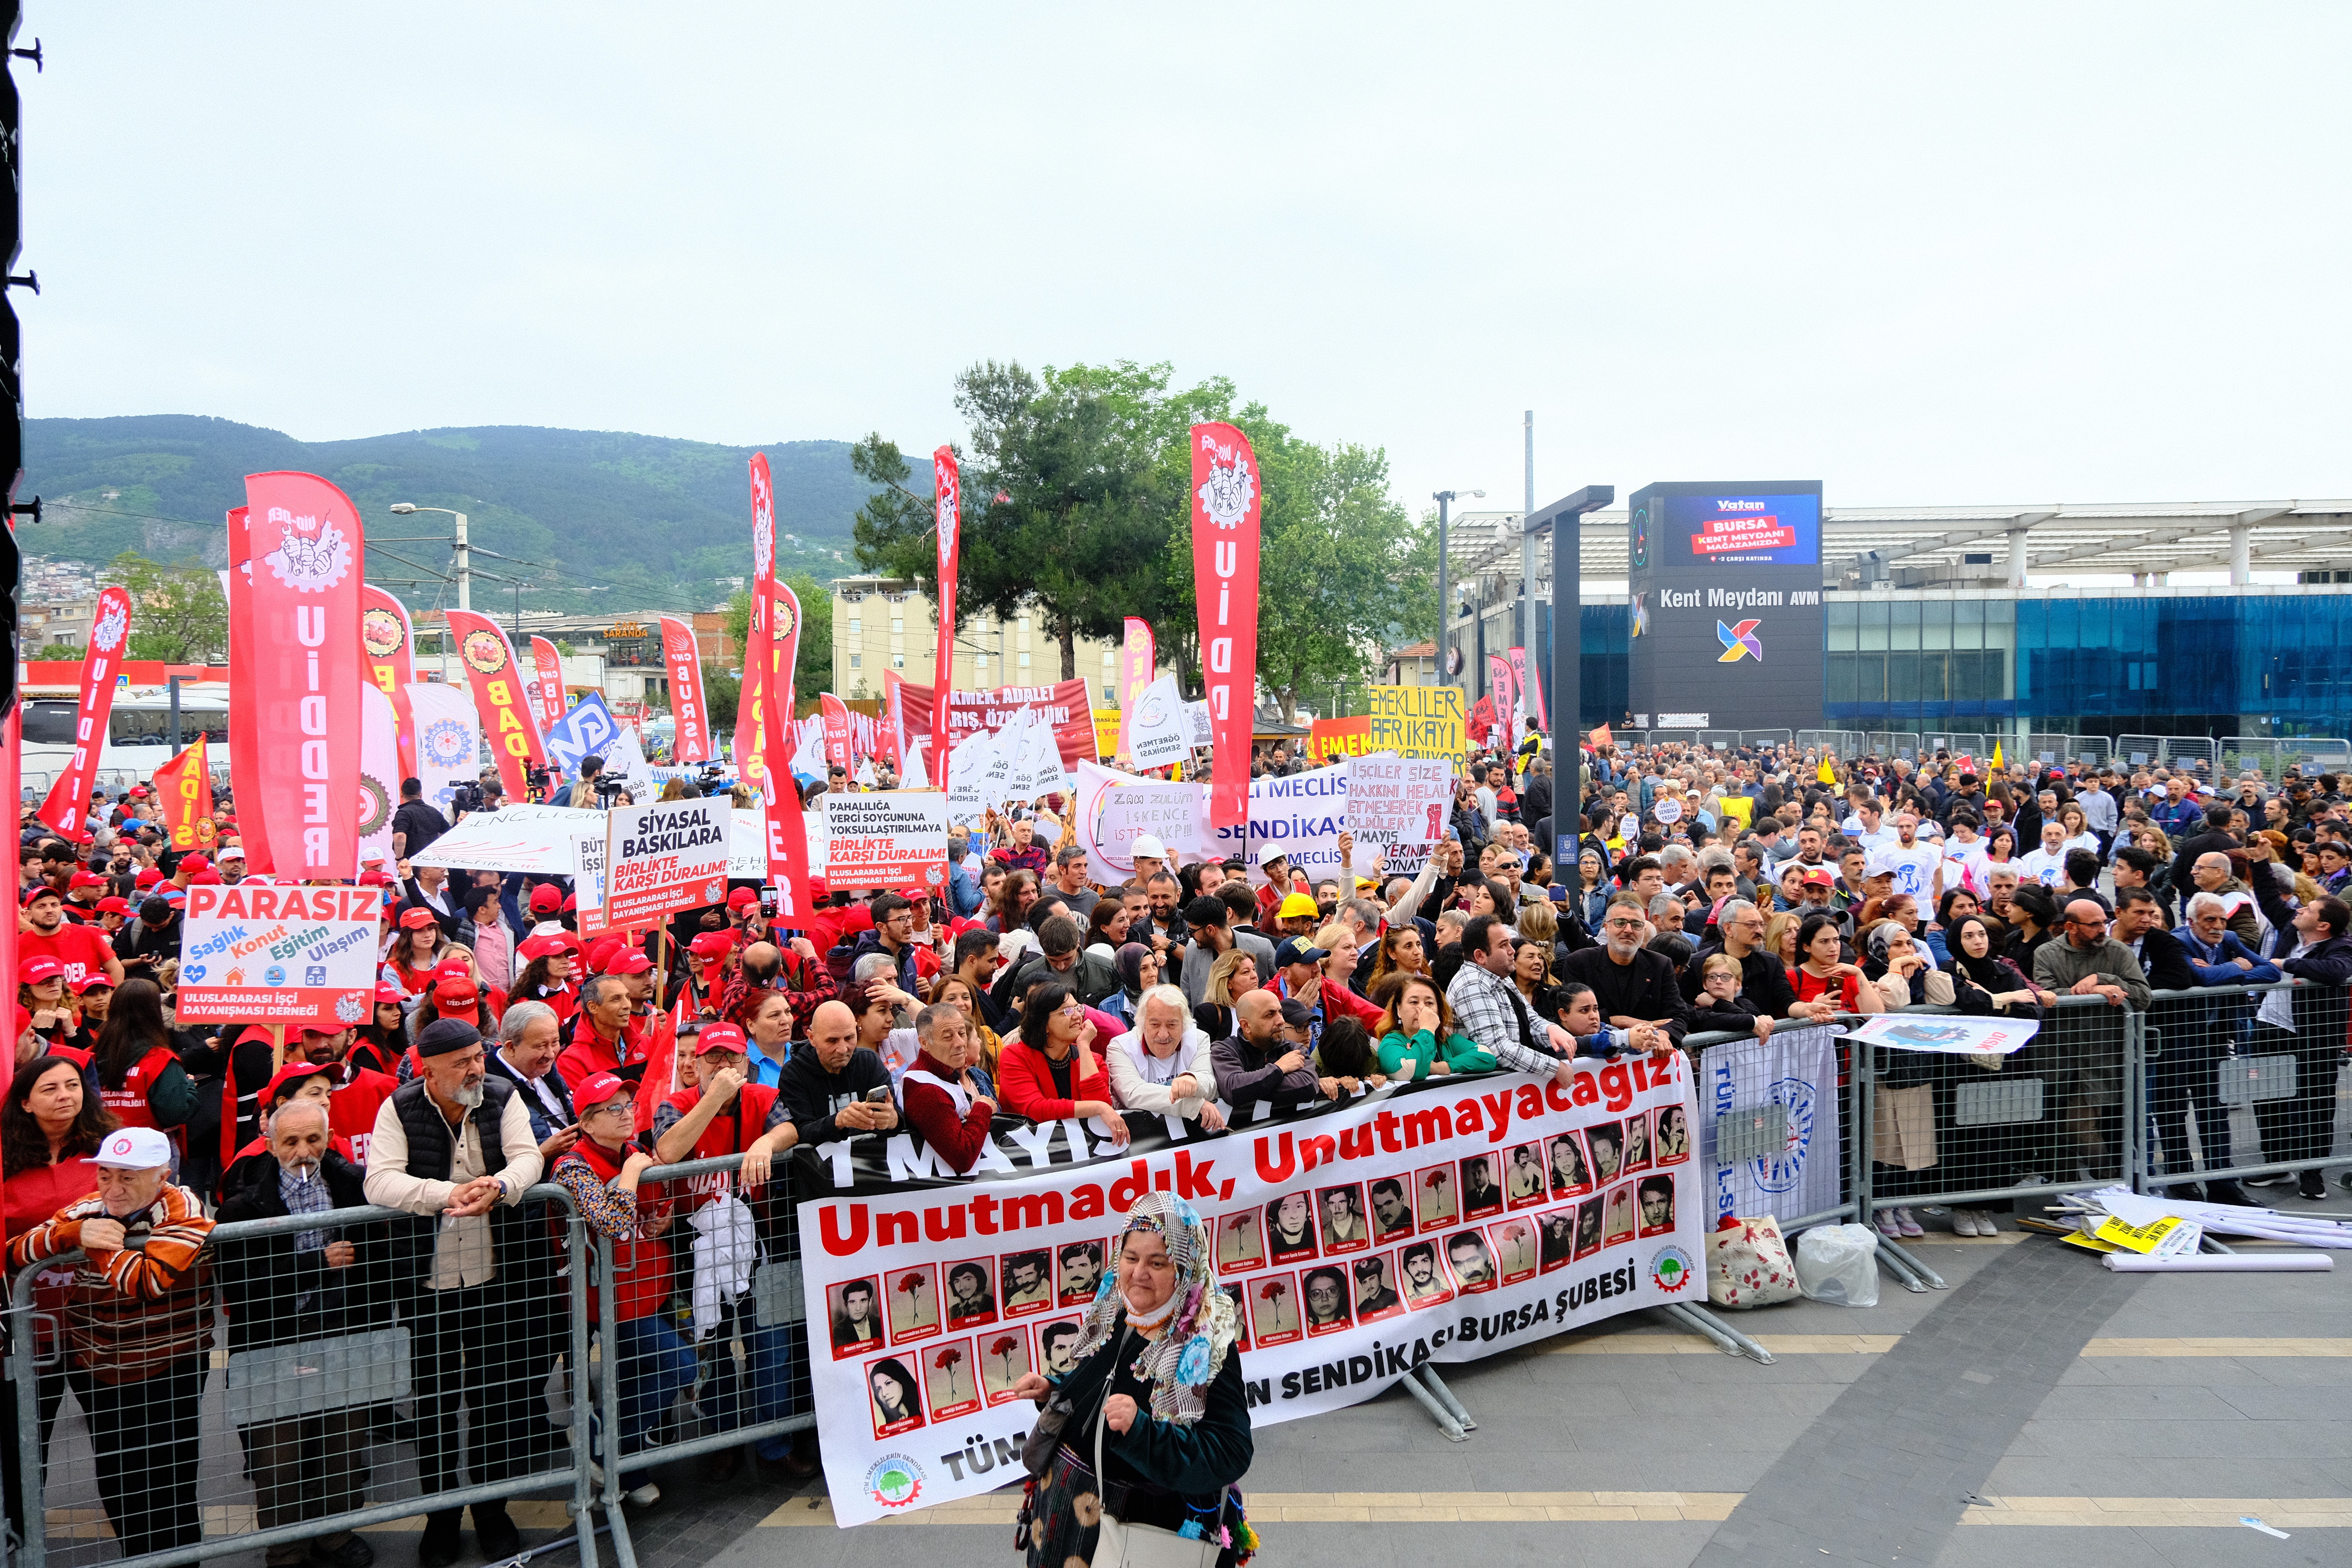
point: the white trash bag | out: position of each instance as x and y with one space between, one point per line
1838 1264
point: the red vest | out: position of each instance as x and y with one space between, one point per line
641 1267
722 1137
129 1103
351 1113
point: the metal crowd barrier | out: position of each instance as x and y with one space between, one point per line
303 1425
2241 1082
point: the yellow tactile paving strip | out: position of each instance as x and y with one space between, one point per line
1367 1507
2220 1347
2153 1513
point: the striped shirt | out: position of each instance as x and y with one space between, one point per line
132 1312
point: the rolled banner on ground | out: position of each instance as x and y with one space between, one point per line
2229 1263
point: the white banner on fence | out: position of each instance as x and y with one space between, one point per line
1952 1036
1445 1221
1768 1123
1400 805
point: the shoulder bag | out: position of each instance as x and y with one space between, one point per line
1121 1544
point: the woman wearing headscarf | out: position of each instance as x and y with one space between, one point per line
1987 985
1175 1437
1139 971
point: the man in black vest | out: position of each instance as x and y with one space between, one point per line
455 1148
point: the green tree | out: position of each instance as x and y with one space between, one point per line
1339 563
1068 504
60 650
177 612
722 693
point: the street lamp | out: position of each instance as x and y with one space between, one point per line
465 572
1444 610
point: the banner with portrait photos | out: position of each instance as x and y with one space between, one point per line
1432 1221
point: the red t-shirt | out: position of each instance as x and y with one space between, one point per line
80 949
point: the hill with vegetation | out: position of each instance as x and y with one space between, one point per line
649 519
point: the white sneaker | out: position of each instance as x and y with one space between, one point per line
1887 1224
1908 1225
1964 1222
642 1497
1985 1226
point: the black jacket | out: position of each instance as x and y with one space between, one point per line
421 823
2166 962
1645 989
277 1295
1762 981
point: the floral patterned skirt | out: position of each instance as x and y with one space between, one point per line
1061 1516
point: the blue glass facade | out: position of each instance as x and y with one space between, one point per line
2243 662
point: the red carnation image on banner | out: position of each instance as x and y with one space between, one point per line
949 1382
1274 1310
914 1304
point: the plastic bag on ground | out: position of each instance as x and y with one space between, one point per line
1838 1264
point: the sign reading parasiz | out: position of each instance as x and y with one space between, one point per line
1418 721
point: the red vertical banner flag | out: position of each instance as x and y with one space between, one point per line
774 640
388 644
184 794
245 705
67 807
305 545
501 698
1530 690
690 738
547 682
838 747
1225 499
946 503
1136 656
1499 682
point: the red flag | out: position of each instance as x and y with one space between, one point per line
501 698
547 682
244 708
1481 722
388 643
184 796
1530 691
690 741
1136 658
1225 583
838 746
1498 677
946 497
1601 737
67 807
775 640
307 546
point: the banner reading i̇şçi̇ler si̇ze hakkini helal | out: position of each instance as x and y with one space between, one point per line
1438 1221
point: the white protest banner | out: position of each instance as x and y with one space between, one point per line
291 956
1301 815
1399 805
624 758
968 766
588 846
526 840
671 855
1767 1115
1159 731
886 838
1114 809
1442 1221
1956 1037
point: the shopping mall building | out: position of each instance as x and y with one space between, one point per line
2051 621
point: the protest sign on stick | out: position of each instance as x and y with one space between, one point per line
1399 805
283 956
669 856
886 838
1418 721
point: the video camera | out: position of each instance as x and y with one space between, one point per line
466 798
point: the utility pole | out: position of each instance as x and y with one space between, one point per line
1444 585
1527 576
1566 518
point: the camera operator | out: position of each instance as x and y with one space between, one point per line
580 792
417 824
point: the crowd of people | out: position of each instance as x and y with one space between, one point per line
1710 891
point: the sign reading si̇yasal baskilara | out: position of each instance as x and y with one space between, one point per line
669 856
1438 1221
281 956
1418 721
886 838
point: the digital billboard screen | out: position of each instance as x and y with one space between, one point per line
1745 531
1726 623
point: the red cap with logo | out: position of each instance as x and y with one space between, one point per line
416 918
717 1037
742 898
597 1087
629 961
712 944
457 993
37 968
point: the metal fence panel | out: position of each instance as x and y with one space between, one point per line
2242 1082
2270 756
1842 742
1766 737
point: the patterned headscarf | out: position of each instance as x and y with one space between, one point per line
1182 1363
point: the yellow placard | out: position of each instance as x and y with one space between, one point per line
2149 1238
1105 733
1418 721
2088 1243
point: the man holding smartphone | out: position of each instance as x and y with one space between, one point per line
836 1088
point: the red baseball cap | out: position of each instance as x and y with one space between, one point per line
533 948
90 982
84 880
147 878
37 891
114 906
195 863
546 899
37 968
600 950
597 1087
368 879
715 1038
389 994
712 944
292 1072
416 918
457 993
742 898
818 887
628 962
206 880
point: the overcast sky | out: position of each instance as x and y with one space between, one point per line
1925 254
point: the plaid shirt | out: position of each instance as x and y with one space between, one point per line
305 1197
1489 1009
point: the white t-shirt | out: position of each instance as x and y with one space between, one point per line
1971 858
1884 838
2044 866
1915 869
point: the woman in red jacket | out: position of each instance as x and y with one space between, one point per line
1050 1072
947 1093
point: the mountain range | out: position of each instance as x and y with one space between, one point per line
650 520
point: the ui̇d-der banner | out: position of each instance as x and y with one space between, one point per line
1438 1221
286 956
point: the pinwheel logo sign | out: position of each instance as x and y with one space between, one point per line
1739 642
